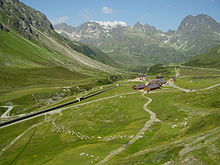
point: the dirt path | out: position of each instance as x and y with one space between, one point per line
213 86
189 67
17 138
195 90
7 113
153 119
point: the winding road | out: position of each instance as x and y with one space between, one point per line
193 90
153 118
191 67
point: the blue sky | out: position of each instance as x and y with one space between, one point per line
163 14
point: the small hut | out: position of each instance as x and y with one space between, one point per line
138 86
151 87
163 81
157 81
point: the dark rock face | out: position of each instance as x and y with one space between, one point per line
1 4
22 18
1 27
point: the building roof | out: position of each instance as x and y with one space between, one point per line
152 86
163 80
140 85
154 80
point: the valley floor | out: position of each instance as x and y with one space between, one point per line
177 124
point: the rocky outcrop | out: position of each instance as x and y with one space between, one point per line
22 18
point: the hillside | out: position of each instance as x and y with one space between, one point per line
39 67
60 104
177 124
143 44
34 26
209 59
93 53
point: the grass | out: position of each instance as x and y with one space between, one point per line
194 109
34 98
198 72
209 59
197 82
90 120
34 76
87 134
52 76
197 79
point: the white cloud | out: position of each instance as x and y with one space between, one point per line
60 20
107 10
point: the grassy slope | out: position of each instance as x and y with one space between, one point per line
33 75
182 115
91 120
209 59
93 53
137 49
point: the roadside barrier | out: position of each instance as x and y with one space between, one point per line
54 108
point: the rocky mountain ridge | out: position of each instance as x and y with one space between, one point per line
143 44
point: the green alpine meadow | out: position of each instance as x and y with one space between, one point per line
88 83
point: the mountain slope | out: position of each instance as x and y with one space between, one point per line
92 52
130 46
38 67
143 44
34 26
33 54
196 34
209 59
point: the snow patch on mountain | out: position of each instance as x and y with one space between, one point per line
111 25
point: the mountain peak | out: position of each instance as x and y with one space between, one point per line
138 23
144 27
64 27
194 22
